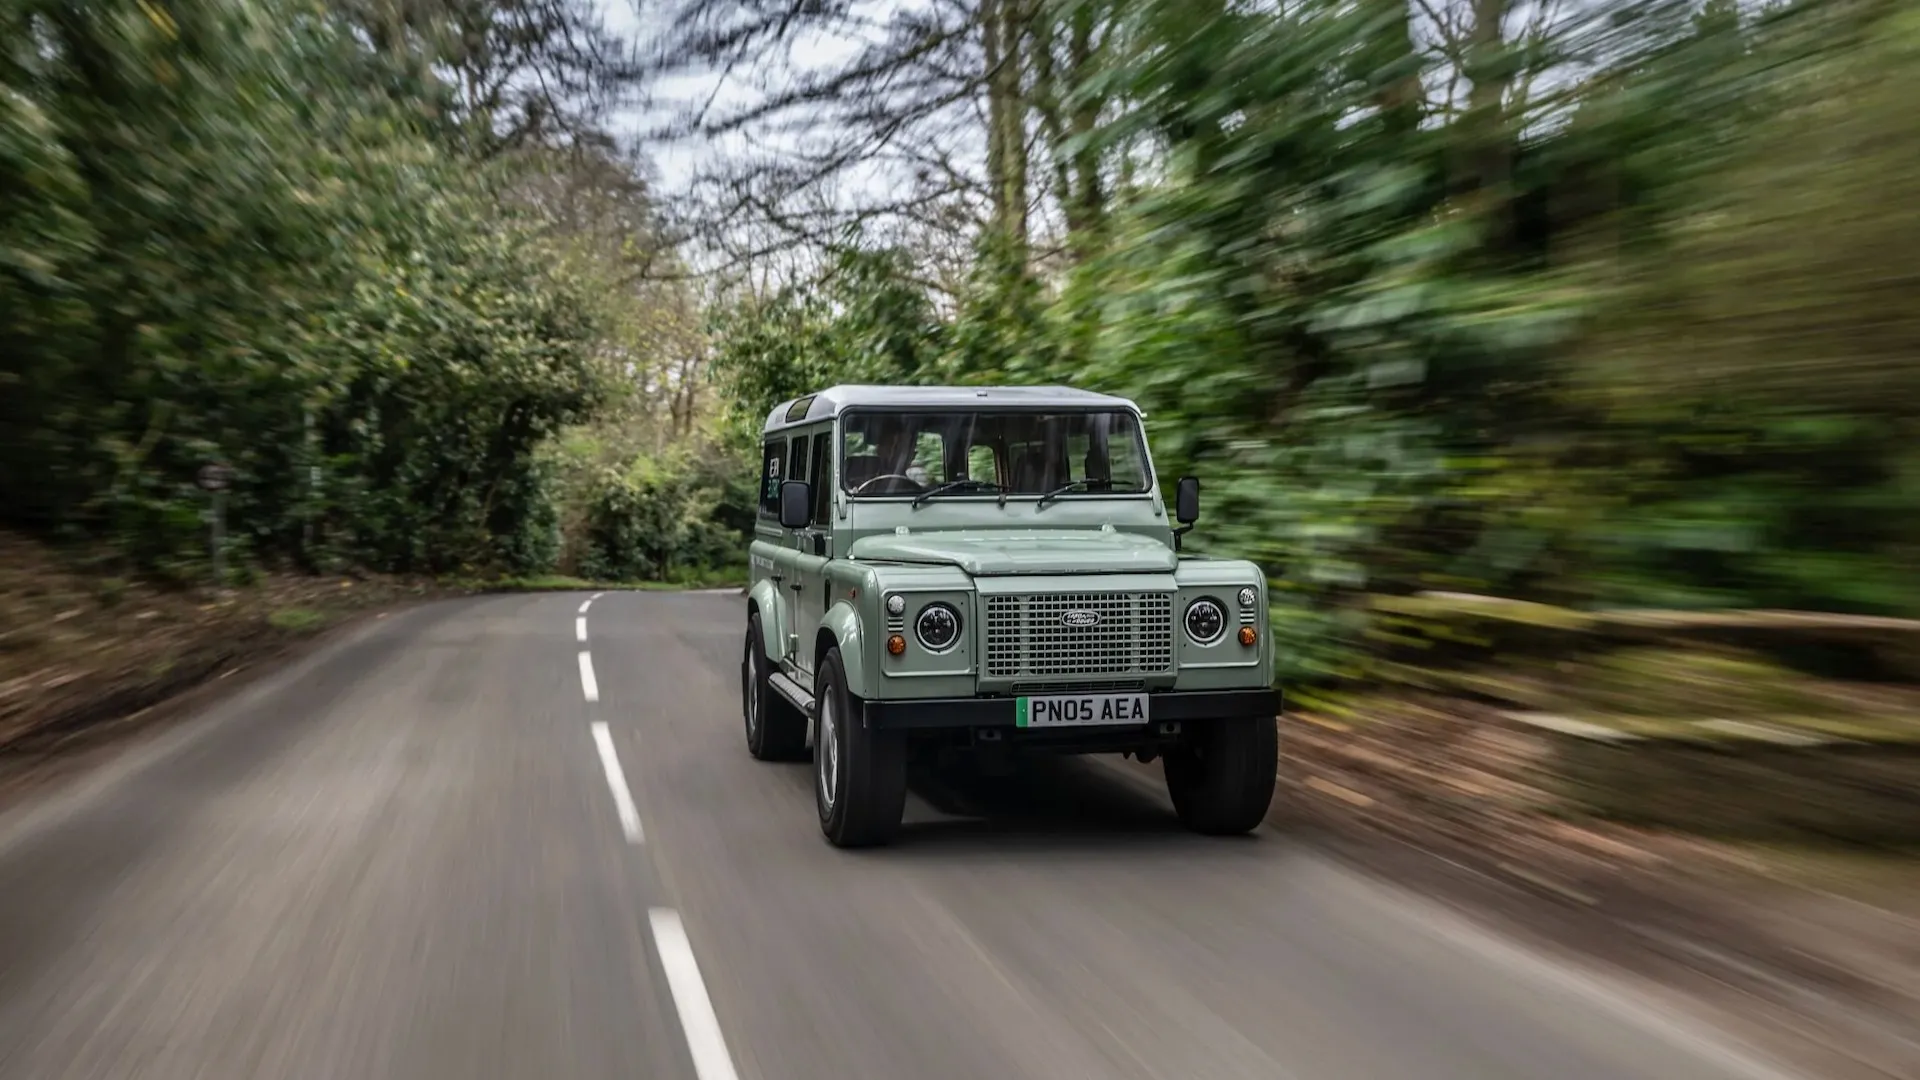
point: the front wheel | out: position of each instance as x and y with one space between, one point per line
1222 780
859 774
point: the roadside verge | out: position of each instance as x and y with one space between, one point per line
89 659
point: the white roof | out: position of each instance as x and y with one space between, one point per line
829 402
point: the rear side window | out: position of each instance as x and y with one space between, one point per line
818 474
797 458
770 477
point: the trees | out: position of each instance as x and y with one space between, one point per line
1545 300
240 232
923 120
506 75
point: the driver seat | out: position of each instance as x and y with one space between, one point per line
861 468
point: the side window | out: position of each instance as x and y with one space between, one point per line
929 464
1022 464
770 477
797 458
981 466
819 473
1124 463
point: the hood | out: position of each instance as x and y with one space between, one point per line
990 552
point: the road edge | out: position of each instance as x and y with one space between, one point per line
1512 943
38 788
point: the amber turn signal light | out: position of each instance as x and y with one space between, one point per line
896 644
1248 636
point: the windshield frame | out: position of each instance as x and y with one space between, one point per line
1150 481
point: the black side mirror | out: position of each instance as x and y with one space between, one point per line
1186 500
796 504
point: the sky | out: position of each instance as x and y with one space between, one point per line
643 21
638 21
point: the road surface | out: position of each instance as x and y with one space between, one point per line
446 847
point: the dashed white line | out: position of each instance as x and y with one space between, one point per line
709 1047
617 781
705 1042
587 684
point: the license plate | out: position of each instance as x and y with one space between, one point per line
1079 710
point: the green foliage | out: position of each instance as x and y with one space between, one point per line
227 233
1002 332
865 321
1612 311
296 620
655 519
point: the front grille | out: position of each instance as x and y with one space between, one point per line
1027 639
1081 686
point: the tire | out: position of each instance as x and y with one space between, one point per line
1222 782
776 731
859 774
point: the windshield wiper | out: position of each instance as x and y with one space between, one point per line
1077 485
956 485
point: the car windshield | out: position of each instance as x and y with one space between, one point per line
906 454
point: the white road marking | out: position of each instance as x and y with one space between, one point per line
702 1028
595 596
585 604
587 684
580 628
617 780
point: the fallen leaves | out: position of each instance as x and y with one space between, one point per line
1344 794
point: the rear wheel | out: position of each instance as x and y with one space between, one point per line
776 731
1222 780
859 775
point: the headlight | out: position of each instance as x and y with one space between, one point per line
1247 597
1205 621
937 628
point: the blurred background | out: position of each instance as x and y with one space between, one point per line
1594 304
1559 360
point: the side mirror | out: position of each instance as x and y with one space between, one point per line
796 504
1186 500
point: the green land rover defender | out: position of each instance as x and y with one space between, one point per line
994 570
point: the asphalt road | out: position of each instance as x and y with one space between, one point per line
416 855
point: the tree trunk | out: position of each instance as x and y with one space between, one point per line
1394 62
1088 205
1489 151
1049 89
990 16
1005 24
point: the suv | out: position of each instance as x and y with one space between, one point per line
993 570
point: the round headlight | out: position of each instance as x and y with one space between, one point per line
1248 596
896 604
938 627
1205 621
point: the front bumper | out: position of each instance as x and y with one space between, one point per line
996 712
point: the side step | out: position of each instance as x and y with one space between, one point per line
792 691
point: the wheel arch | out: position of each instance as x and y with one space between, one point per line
764 601
841 628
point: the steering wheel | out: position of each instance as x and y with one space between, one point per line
872 480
